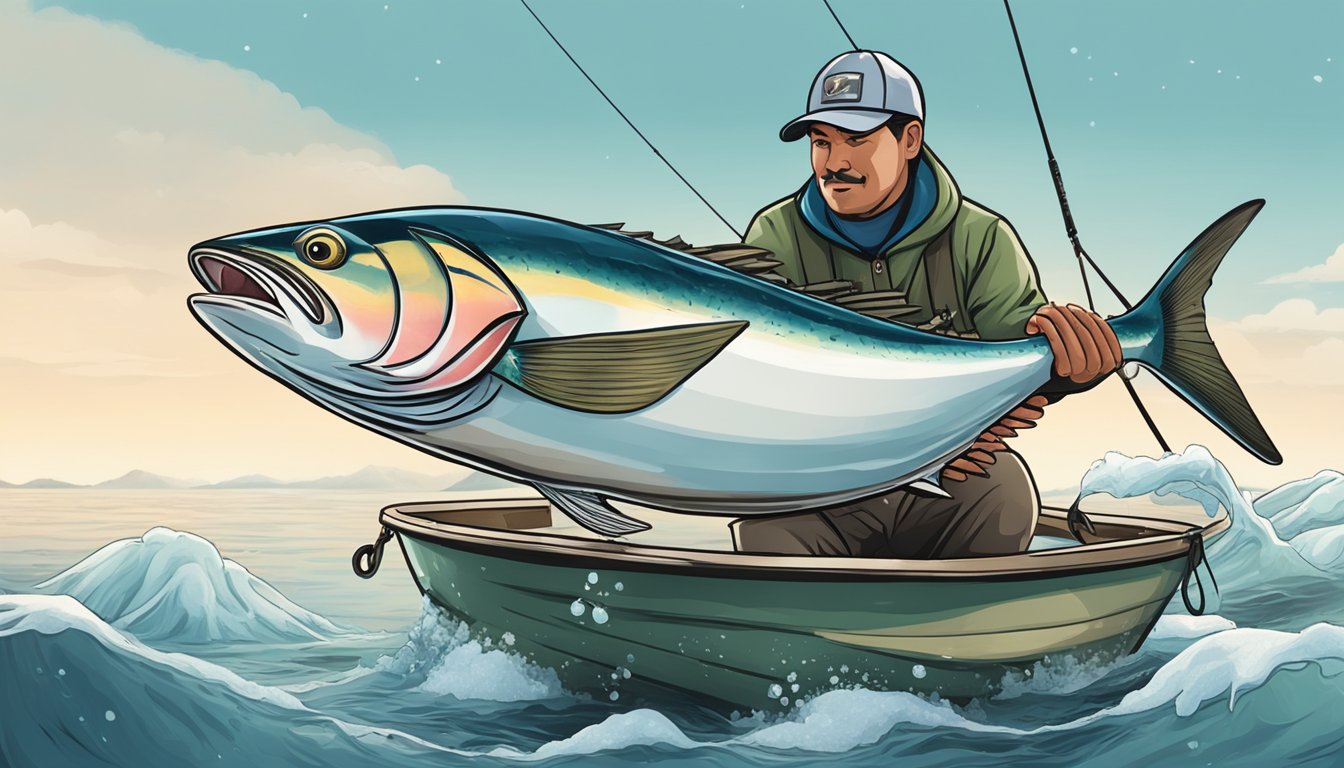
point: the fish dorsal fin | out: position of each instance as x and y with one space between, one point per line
761 263
616 372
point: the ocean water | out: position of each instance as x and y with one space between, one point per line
171 628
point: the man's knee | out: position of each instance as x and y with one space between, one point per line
999 511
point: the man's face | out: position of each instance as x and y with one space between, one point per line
862 174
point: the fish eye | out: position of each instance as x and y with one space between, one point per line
321 247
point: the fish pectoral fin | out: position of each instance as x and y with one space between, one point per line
929 484
617 372
592 511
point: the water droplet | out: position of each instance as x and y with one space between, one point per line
61 672
835 679
1318 78
629 658
1073 50
775 691
509 639
793 676
619 586
784 700
919 671
81 718
39 670
110 715
440 61
592 577
577 607
625 673
599 614
247 48
615 695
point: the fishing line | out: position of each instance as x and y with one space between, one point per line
628 121
852 44
1072 230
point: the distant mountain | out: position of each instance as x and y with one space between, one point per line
141 480
371 478
481 481
377 478
245 482
46 482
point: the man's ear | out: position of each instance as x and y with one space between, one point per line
912 139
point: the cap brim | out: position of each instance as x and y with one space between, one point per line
852 120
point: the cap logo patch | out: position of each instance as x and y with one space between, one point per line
844 86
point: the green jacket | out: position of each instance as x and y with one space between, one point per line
979 264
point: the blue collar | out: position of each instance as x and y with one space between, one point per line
874 236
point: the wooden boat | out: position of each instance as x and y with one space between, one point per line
760 632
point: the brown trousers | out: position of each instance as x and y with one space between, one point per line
992 515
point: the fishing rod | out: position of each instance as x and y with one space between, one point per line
628 121
1079 253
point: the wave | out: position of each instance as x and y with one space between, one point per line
175 587
1231 663
441 657
78 691
1254 550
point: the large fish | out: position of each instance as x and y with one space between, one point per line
595 365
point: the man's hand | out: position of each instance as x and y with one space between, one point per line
980 456
1084 346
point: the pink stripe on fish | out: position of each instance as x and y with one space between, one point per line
474 360
483 310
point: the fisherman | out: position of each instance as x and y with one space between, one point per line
882 212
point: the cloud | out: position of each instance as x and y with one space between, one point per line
1332 271
1295 316
116 157
137 143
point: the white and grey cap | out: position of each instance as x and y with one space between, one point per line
858 91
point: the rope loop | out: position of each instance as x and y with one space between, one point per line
369 557
1193 560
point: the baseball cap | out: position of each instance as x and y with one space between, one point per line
858 91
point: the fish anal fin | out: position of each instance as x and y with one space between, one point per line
930 485
617 372
591 511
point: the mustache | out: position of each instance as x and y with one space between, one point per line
842 177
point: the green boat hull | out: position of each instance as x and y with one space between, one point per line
760 632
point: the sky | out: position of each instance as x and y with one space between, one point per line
135 129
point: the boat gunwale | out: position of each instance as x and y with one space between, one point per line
576 551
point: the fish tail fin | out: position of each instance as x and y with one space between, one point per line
1167 333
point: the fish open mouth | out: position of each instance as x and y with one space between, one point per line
252 282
